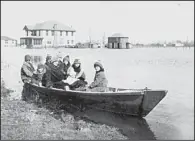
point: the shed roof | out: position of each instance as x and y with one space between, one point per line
49 25
6 38
118 35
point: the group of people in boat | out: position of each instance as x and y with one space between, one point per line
58 72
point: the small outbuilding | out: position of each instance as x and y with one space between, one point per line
8 42
118 41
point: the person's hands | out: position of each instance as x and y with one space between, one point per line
28 81
63 72
40 84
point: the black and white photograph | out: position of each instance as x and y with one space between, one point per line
97 70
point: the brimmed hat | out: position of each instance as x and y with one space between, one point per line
98 63
66 58
27 58
77 61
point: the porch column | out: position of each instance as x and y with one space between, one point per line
32 42
41 42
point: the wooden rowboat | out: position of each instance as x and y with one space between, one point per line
134 102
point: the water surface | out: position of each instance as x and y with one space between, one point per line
156 68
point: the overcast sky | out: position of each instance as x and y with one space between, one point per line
141 21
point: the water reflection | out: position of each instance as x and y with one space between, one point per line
132 127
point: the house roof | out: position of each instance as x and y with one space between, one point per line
49 25
6 38
34 37
118 35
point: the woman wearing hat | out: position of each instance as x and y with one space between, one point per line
77 69
100 82
79 75
66 66
48 59
27 69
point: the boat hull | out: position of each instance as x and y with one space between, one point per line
134 103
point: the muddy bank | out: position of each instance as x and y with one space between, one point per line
22 121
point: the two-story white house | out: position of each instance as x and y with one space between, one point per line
8 42
48 34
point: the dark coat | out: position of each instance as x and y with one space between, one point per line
77 85
100 82
46 79
56 73
27 72
37 78
52 75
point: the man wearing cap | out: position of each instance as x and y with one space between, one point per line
27 70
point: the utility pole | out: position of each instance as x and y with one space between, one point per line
103 42
54 27
90 38
187 42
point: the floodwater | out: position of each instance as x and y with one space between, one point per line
156 68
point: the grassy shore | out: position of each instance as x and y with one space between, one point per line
25 121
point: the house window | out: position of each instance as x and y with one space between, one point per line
67 41
35 33
37 42
72 41
52 33
72 33
6 41
66 33
46 32
60 33
48 42
39 33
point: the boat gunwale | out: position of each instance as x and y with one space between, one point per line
136 92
